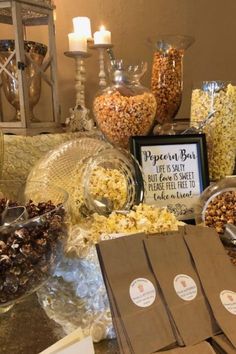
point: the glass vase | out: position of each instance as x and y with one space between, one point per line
35 53
167 75
218 99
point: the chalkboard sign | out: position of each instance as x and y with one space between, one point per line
175 170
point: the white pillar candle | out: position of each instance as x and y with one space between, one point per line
102 37
82 26
77 43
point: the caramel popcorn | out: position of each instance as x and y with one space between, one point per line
166 83
119 117
221 210
220 131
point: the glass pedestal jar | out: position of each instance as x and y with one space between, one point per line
125 108
218 98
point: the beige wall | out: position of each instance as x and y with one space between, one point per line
211 22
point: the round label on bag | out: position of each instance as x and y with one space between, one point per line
142 292
228 299
185 287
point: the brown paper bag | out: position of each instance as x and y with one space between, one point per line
137 298
180 285
179 339
217 275
222 345
124 346
201 348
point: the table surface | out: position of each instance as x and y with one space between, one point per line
26 329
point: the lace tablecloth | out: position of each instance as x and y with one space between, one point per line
22 152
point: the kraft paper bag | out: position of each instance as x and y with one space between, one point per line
136 295
201 348
179 339
222 345
180 285
124 346
217 275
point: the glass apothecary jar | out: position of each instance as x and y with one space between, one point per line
126 108
218 99
167 74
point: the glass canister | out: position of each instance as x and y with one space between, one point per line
126 108
218 99
167 74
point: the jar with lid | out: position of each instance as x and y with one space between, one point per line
217 99
167 74
126 108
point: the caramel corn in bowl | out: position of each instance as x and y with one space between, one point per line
216 208
32 234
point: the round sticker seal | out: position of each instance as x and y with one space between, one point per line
185 287
228 299
142 292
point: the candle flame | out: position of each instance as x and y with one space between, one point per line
102 28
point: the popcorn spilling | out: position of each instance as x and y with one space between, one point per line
143 218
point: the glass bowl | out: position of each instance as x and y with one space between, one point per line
216 205
98 177
32 231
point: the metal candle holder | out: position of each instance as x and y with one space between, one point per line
101 49
79 119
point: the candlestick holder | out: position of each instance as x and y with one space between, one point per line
79 119
101 50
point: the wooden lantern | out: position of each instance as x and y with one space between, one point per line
21 13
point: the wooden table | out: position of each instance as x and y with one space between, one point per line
26 329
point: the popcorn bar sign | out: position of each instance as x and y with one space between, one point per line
174 170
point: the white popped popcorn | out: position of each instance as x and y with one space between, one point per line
104 182
221 130
109 183
142 218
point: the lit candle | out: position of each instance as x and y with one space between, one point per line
82 26
77 43
102 37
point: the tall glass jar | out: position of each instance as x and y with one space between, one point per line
126 108
219 99
167 75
